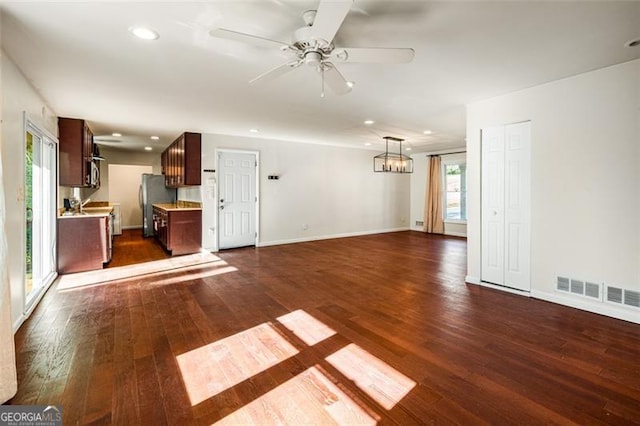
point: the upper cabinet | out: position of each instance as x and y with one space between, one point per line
181 161
77 167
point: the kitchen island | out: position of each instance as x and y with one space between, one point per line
178 227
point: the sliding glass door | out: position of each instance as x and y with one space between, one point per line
40 212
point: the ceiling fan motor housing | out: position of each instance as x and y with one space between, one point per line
312 58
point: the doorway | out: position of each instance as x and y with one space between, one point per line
41 155
506 205
238 200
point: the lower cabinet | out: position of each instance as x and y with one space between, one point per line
178 230
84 243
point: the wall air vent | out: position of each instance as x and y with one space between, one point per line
632 298
577 286
592 290
581 288
562 283
614 294
419 223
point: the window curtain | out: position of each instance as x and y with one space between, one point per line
8 379
433 222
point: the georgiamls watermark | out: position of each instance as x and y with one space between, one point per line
30 415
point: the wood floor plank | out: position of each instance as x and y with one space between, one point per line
109 353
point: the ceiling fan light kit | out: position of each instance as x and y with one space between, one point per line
390 162
313 45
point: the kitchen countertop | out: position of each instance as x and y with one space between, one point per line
87 212
173 207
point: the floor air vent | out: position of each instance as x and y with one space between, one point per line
579 287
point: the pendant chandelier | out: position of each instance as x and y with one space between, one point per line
390 162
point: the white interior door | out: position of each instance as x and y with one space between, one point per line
506 194
237 199
517 205
493 205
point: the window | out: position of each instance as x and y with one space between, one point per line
455 191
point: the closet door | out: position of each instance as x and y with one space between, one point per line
517 206
506 187
493 205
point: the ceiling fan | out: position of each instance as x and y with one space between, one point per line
312 45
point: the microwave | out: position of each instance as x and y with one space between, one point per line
94 175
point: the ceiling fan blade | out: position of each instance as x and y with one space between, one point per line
329 18
378 55
245 38
334 79
276 72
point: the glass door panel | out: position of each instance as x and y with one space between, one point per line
40 212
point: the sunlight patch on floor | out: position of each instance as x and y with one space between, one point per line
154 268
308 398
306 327
383 383
211 369
208 272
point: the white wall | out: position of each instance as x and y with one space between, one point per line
332 190
585 149
419 182
18 96
124 184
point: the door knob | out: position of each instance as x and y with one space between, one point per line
221 200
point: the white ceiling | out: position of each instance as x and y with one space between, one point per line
85 63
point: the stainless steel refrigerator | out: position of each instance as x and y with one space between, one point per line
152 191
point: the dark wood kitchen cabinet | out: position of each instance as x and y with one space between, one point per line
181 161
178 230
84 243
75 144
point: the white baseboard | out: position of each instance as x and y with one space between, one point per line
477 281
456 234
472 280
606 309
329 237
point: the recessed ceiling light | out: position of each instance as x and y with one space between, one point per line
254 130
407 149
351 83
369 121
144 33
367 144
633 43
116 135
155 138
148 148
427 132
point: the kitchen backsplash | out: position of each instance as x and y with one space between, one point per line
189 204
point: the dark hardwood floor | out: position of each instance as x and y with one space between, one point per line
130 248
248 339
